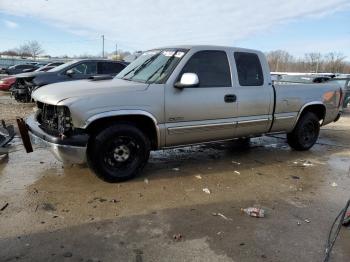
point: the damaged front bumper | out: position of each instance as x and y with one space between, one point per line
70 150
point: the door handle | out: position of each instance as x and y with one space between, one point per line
231 98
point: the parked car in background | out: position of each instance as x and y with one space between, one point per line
48 66
74 70
344 81
172 97
21 68
303 79
6 83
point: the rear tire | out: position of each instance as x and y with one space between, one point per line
305 133
118 153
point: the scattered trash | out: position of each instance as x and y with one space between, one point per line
298 223
221 215
219 233
242 244
237 163
198 176
334 184
176 169
254 212
237 172
4 207
146 181
303 163
307 220
295 177
177 237
206 190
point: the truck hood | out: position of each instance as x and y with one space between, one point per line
54 93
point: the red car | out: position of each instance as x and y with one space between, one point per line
6 83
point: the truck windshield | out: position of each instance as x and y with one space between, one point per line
153 66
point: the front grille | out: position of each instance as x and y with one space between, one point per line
54 120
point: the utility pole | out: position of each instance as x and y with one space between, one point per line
116 50
103 46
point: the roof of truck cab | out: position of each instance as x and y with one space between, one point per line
240 49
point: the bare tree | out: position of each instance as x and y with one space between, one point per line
34 48
279 60
313 62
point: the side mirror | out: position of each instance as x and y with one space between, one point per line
188 80
70 72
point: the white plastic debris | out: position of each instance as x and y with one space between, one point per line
254 211
176 169
237 172
198 176
146 181
307 220
206 190
334 184
237 163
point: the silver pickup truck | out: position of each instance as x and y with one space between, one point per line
176 96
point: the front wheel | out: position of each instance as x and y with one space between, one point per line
118 153
305 133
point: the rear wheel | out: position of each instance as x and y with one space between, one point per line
306 132
118 153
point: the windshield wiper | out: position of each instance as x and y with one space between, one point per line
163 67
140 67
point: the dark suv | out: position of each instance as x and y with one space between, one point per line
17 69
74 70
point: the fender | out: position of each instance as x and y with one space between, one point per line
124 113
303 107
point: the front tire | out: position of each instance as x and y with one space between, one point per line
305 133
118 152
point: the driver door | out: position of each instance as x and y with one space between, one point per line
205 112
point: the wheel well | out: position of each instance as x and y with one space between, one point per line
318 110
144 123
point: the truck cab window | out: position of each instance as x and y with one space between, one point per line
212 68
249 69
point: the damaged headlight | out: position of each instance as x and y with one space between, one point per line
64 121
55 120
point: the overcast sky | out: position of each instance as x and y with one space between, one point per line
75 27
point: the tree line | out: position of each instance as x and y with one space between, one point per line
29 49
332 62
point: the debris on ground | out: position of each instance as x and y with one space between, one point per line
254 211
334 184
303 163
237 163
237 172
198 176
176 169
307 220
295 177
206 190
177 237
146 181
298 223
221 215
4 207
7 133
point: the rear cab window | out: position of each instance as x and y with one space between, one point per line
212 68
249 69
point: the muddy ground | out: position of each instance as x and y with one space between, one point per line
58 213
